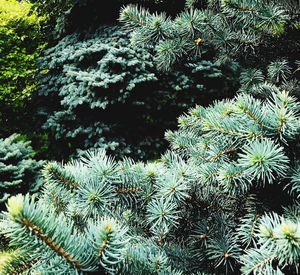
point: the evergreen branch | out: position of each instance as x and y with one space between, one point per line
264 159
65 181
282 119
109 240
60 177
230 150
294 184
231 132
59 250
234 179
254 225
212 27
298 69
248 227
232 5
174 187
250 79
144 257
12 261
258 261
285 115
297 64
94 198
247 111
263 262
190 3
281 236
25 267
280 124
201 157
233 175
104 242
189 124
223 250
162 215
213 175
129 190
132 17
279 70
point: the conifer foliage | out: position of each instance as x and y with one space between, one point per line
208 206
19 171
222 200
226 29
96 91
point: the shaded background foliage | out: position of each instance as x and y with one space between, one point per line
19 170
66 16
95 91
78 18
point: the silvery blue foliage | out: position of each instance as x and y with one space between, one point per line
18 169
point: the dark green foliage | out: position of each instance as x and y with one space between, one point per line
96 91
19 172
278 75
67 16
55 13
210 206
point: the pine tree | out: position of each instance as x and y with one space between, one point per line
19 171
223 200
